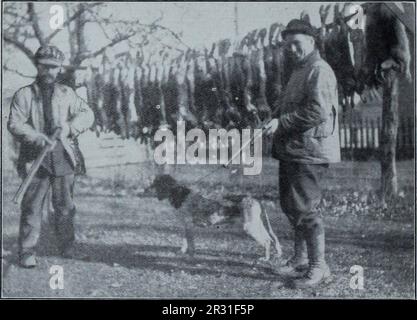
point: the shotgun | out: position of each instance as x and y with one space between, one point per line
35 167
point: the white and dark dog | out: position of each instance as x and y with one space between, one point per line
193 209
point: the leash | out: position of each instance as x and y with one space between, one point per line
235 155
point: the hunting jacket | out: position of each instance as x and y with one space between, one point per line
26 119
307 122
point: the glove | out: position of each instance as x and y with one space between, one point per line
41 140
271 127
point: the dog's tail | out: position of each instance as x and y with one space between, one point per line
272 233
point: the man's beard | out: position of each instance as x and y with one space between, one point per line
47 79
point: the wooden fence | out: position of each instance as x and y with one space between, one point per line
360 138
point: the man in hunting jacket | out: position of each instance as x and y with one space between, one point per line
306 140
36 111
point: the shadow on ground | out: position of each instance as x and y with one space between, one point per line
166 259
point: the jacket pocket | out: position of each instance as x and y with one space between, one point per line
326 128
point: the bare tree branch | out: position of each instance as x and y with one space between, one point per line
26 34
21 47
167 46
15 15
16 26
103 30
151 26
174 34
35 24
111 44
116 31
79 30
6 68
71 39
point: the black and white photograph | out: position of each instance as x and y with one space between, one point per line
208 150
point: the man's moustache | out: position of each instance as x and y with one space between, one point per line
47 77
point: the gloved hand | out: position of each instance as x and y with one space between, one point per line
41 140
271 127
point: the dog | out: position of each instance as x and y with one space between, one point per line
192 209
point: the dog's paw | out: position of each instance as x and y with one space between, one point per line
187 256
185 252
185 246
182 252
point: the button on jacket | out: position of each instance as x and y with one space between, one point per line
308 126
26 118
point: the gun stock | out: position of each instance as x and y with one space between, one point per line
34 168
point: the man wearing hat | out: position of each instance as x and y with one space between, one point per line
36 111
305 140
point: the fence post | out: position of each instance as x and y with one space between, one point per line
351 137
378 132
355 133
372 134
366 133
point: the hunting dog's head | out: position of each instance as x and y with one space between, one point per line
166 187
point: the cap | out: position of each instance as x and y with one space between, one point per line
49 55
297 26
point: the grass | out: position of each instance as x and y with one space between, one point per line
127 244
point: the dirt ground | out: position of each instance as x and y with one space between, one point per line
127 244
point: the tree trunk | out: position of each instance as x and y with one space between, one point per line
80 34
389 183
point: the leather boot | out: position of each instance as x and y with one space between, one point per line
298 263
318 271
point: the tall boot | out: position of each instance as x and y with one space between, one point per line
298 263
64 227
318 270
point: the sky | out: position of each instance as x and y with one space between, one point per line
200 23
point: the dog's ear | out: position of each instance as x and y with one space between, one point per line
167 187
178 195
158 186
